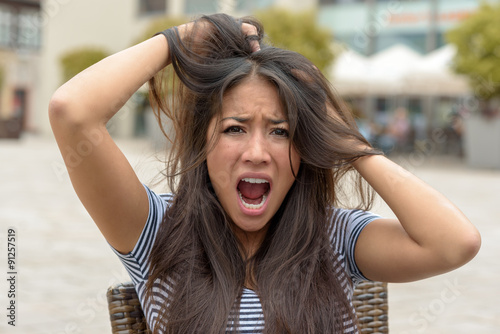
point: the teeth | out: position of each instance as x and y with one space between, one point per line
251 180
253 206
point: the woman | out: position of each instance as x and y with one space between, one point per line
252 238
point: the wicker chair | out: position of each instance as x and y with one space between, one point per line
370 301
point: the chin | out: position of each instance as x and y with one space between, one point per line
251 226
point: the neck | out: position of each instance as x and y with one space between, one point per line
249 243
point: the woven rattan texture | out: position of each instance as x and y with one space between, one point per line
370 301
125 310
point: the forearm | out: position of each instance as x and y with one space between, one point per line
96 94
428 218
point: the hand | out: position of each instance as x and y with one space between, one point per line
251 30
197 30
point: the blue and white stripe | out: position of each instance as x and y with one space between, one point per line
347 226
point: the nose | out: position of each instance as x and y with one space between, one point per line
256 149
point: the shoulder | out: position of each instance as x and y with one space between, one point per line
345 228
163 200
341 219
345 225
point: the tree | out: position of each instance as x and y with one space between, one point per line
155 26
2 78
76 60
477 40
298 32
282 30
160 24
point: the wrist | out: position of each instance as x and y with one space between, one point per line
364 160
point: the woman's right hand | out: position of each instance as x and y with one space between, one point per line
196 31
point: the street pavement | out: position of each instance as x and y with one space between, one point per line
63 265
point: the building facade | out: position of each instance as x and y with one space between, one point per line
369 26
365 26
20 42
114 25
430 116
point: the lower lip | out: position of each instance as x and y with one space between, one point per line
253 212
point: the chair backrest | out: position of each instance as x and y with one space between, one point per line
125 310
369 299
370 302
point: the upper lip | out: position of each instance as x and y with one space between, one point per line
250 175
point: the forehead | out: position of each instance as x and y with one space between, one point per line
253 95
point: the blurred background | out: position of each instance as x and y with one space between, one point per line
422 78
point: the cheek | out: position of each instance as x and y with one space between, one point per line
218 162
286 164
220 180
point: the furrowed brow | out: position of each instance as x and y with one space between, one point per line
237 119
243 120
278 121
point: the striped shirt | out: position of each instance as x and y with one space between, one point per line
348 226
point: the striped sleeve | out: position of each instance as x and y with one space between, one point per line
136 262
347 226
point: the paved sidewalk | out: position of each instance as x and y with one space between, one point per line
64 264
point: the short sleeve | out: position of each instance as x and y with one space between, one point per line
136 262
347 226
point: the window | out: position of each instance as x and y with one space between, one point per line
5 26
200 6
415 105
147 7
250 6
414 40
20 27
28 32
382 104
329 2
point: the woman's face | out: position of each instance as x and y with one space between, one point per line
249 166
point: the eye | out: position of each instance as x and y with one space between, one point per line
281 132
233 129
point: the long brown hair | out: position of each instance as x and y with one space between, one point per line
196 250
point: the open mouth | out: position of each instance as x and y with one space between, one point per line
253 192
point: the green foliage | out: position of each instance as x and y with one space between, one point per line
298 32
2 78
152 28
294 31
75 61
477 40
160 24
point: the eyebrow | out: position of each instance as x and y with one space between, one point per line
243 120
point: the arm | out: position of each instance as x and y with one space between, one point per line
101 175
79 110
430 236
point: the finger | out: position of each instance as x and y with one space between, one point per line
255 45
251 31
253 40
